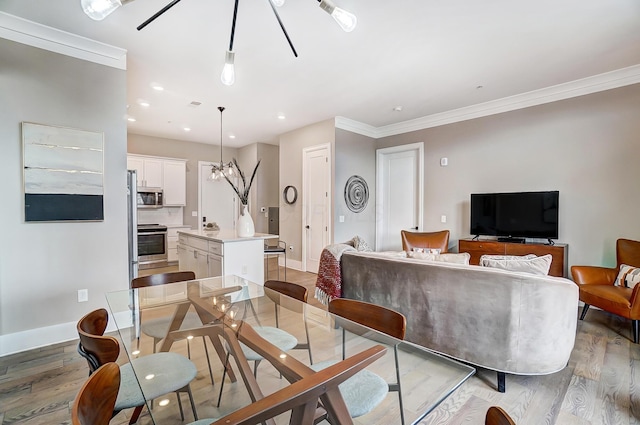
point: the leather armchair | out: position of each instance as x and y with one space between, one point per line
436 240
597 286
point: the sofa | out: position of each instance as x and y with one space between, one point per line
510 322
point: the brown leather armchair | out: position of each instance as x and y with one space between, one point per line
597 286
437 240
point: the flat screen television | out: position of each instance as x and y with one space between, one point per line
515 215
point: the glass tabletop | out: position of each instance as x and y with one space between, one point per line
206 319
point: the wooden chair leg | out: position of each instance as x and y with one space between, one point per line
584 311
135 415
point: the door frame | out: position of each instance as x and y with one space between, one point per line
305 198
380 155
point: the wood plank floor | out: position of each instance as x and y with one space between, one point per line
600 385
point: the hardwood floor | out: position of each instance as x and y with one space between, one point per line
600 385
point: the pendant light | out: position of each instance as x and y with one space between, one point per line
218 171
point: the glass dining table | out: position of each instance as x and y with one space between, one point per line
230 314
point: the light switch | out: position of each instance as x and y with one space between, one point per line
443 219
341 219
194 213
444 162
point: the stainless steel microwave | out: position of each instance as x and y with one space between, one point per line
149 197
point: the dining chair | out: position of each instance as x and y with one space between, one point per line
278 337
366 390
158 328
95 403
98 349
302 396
497 416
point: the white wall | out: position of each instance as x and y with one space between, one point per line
42 265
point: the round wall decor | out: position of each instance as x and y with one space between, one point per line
290 195
356 194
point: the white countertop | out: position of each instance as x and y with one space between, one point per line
224 235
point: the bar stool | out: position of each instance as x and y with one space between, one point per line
280 249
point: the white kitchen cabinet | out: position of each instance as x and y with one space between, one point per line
148 170
174 182
172 242
214 266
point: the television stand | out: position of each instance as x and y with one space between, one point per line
512 240
477 248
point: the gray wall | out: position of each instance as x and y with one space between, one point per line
192 152
587 147
291 147
42 265
354 154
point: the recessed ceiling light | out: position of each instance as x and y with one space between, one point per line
232 136
143 103
131 119
397 108
281 117
157 87
187 129
479 87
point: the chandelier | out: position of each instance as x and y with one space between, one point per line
100 9
220 170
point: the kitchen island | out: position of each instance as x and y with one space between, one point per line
222 252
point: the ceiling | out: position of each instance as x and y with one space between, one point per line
425 56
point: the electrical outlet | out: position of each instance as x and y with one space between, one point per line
83 295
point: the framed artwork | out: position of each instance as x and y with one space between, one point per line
356 194
62 173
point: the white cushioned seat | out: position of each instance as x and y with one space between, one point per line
362 392
170 371
281 339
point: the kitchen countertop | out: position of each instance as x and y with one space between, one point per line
224 235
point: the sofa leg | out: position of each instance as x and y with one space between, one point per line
584 311
635 331
502 382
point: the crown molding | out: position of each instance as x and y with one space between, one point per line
356 127
597 83
41 36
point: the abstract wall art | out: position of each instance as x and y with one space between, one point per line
63 174
356 194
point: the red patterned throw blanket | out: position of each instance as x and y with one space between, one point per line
329 281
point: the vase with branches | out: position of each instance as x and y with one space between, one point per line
245 226
242 192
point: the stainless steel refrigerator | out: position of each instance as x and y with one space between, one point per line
132 223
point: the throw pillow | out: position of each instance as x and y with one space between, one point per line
628 276
462 258
359 244
487 257
536 265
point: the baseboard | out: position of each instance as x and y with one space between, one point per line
291 264
48 335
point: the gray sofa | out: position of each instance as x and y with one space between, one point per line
510 322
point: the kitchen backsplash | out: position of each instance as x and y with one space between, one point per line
165 215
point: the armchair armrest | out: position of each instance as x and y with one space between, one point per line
591 275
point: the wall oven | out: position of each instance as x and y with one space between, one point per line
152 246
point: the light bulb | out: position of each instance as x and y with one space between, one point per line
228 76
99 9
278 2
346 20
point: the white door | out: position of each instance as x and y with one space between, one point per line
316 204
217 201
399 177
